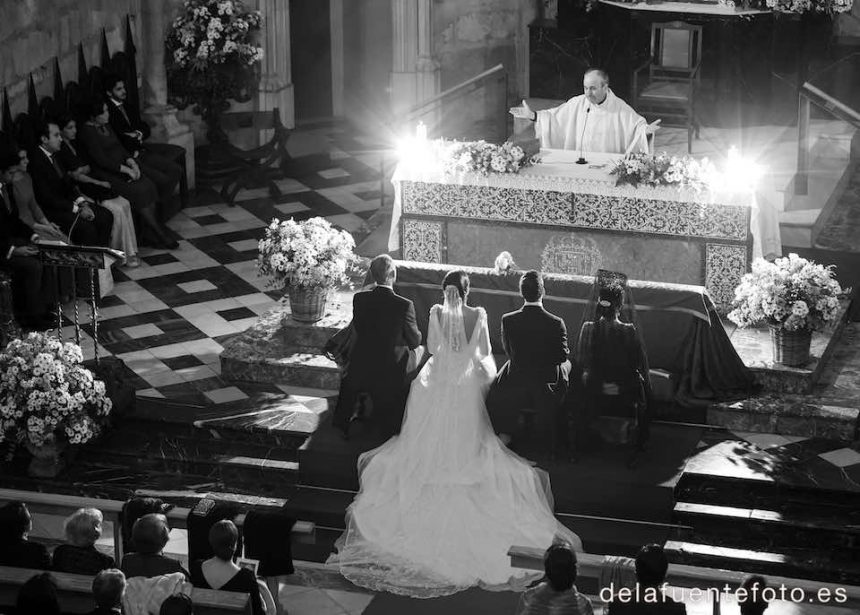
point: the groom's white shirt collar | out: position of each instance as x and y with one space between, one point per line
388 286
539 302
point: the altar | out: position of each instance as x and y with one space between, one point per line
560 217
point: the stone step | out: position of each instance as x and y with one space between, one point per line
300 369
785 417
738 474
233 471
787 526
799 564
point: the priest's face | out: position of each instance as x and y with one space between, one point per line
595 88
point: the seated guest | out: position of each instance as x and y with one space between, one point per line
28 209
83 528
615 377
108 589
123 236
177 604
15 549
124 173
753 602
156 159
33 286
38 596
556 593
150 534
86 223
221 571
651 567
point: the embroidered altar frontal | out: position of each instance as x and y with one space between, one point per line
579 231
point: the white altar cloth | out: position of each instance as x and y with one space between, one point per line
558 171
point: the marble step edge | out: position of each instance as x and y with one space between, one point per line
735 491
831 422
770 518
298 369
150 413
239 462
814 565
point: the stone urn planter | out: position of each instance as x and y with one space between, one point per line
307 304
48 460
790 348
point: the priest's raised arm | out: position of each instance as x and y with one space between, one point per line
595 121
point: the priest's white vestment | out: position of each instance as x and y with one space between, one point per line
612 126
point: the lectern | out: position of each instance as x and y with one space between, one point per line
89 258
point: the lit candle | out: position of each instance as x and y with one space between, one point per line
421 131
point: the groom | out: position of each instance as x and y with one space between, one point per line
535 376
385 330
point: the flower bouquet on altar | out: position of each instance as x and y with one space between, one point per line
307 259
663 170
485 158
48 399
794 297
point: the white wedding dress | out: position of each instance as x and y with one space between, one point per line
441 503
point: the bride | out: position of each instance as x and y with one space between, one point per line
441 503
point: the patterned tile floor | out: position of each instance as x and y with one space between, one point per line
167 319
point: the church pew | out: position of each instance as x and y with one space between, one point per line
75 593
65 505
591 565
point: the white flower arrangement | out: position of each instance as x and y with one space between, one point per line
791 292
663 170
214 32
485 158
46 395
308 254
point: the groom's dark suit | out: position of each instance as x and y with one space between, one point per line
535 375
385 331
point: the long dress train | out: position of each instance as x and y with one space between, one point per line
441 503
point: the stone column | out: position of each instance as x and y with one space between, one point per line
276 87
160 115
416 74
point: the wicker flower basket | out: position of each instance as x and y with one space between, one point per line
790 347
307 304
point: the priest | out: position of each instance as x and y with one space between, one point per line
595 121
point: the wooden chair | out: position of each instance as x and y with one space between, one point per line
258 166
673 76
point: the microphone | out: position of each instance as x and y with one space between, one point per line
582 159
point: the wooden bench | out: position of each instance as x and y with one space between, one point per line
65 505
75 593
590 566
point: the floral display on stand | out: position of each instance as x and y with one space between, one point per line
212 58
830 7
485 158
306 258
663 170
47 397
792 295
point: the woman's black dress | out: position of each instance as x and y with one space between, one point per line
243 581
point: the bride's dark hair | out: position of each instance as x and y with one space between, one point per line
459 280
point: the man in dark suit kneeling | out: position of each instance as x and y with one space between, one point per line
385 330
535 376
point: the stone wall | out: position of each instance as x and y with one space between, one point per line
471 36
33 32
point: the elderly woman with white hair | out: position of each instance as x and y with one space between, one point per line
79 555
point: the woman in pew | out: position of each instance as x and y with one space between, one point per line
121 170
79 556
38 596
123 236
150 534
15 549
221 571
556 593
